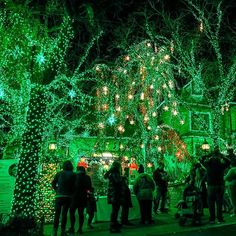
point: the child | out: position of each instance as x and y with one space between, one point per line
91 206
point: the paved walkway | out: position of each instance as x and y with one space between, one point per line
165 224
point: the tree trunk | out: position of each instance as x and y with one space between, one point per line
24 203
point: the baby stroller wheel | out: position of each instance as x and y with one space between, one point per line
182 221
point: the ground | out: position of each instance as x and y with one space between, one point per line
165 224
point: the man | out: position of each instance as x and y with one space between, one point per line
215 166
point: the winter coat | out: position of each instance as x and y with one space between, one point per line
63 183
144 187
83 184
115 193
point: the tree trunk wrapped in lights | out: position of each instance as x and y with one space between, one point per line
24 205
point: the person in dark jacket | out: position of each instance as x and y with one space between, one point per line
127 203
161 179
63 184
115 194
83 185
144 187
215 165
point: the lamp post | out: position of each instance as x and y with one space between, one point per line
205 146
52 146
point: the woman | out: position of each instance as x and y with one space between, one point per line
115 194
63 184
144 187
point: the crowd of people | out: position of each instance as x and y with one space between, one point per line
209 177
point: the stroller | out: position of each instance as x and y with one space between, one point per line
190 207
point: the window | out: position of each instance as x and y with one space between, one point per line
196 89
200 121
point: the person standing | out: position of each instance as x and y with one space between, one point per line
215 165
144 187
91 207
83 185
63 184
127 203
160 177
115 194
231 180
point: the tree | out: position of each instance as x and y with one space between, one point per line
200 55
35 79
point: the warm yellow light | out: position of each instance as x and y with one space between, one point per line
164 86
105 90
130 96
175 113
118 108
149 165
154 114
146 118
201 27
52 146
131 122
117 96
165 108
142 96
167 57
101 125
127 58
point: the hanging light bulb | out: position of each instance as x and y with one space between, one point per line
131 122
142 96
167 57
154 114
165 108
130 96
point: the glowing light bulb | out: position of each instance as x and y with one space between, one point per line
127 58
101 125
165 108
154 114
142 96
149 45
132 122
105 90
174 112
118 108
164 86
159 149
117 96
167 57
156 137
201 27
181 122
130 96
151 86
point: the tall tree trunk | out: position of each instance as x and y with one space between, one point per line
24 205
